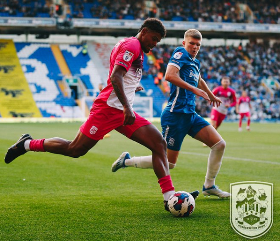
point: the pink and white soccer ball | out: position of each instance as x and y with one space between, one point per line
181 204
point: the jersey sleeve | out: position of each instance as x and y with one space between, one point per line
239 101
127 53
178 58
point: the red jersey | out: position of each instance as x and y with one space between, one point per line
227 97
244 104
127 53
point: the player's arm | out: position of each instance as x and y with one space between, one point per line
214 100
172 75
233 103
237 106
116 79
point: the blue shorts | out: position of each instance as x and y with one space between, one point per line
175 126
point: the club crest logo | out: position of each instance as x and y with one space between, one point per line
178 55
171 141
93 130
127 56
251 208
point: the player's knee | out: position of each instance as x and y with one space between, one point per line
163 144
219 146
171 165
159 145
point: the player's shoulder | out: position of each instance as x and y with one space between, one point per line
131 44
180 53
218 88
231 90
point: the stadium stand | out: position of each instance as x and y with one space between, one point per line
253 67
263 11
25 8
42 73
80 64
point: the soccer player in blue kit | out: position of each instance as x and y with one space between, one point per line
179 118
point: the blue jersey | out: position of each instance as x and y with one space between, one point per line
182 100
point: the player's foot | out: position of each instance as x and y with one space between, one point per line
194 194
239 129
120 162
17 149
248 128
107 135
204 145
214 191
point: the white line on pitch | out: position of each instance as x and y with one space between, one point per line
232 158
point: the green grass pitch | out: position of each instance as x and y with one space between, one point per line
51 197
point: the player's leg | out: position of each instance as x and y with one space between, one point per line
143 162
213 118
220 119
76 148
146 162
209 135
241 115
248 121
89 134
172 157
150 137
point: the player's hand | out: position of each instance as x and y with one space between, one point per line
202 93
215 101
129 116
139 88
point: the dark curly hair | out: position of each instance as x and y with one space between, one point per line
154 24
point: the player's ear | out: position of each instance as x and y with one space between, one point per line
144 31
183 43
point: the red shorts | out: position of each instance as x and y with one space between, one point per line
103 119
217 116
247 114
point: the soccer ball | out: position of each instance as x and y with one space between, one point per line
181 204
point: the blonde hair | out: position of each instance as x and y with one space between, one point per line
194 33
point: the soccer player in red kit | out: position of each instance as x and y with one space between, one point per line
112 109
228 98
243 107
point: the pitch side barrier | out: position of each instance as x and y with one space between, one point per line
135 24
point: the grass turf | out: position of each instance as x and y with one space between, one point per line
50 197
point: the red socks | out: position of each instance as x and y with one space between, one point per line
166 184
37 145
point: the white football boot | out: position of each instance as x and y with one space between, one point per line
215 191
120 162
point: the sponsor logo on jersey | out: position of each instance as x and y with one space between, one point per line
120 62
178 55
127 56
195 76
93 130
251 209
175 61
